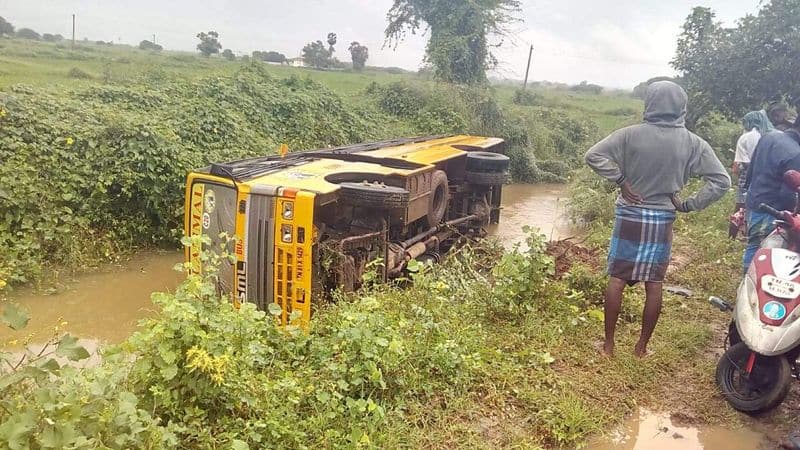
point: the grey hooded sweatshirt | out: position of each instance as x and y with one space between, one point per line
659 156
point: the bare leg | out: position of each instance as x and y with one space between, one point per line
611 309
652 309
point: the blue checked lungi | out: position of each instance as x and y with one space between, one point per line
641 244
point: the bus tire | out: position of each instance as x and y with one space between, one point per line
487 162
437 205
374 195
486 179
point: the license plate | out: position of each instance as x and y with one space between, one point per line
780 288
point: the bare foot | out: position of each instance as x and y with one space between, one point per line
641 352
606 349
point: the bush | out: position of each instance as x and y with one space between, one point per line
27 33
96 170
526 98
79 74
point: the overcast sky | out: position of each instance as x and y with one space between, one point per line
613 43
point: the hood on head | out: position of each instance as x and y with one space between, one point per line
665 104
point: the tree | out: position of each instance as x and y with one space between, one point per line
209 43
316 55
275 57
27 33
52 37
735 70
458 47
6 29
147 45
359 55
331 42
228 54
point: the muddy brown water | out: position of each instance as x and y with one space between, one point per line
541 206
647 430
105 306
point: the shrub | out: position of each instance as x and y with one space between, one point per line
526 98
78 74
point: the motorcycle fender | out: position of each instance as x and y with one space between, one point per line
766 339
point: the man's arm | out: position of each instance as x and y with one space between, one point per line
604 157
717 180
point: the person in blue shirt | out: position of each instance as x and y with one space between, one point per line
776 153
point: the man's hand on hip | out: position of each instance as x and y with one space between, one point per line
629 195
679 204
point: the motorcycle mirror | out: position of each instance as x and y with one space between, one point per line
792 179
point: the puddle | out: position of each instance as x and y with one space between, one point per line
650 431
541 206
102 307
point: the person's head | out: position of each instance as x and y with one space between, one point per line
757 120
665 104
778 113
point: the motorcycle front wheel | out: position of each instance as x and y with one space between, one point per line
761 390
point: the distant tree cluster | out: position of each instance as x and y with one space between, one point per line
269 56
209 43
52 37
359 55
228 54
6 29
587 87
316 55
735 70
147 45
27 33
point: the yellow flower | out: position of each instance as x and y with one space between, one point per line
2 113
12 342
70 140
2 284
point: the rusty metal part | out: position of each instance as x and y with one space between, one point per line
451 223
353 242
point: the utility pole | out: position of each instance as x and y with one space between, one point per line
154 38
73 31
528 68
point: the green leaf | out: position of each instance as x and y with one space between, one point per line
237 444
16 430
68 347
596 314
275 309
14 317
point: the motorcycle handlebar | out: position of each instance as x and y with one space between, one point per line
770 210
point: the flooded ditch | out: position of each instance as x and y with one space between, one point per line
105 306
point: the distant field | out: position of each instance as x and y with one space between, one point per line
40 63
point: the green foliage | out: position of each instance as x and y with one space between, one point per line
79 74
316 55
587 87
359 54
27 33
209 43
92 170
521 275
331 42
458 47
6 29
525 97
228 54
269 56
47 403
758 56
147 45
640 90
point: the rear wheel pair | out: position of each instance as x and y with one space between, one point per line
759 389
486 168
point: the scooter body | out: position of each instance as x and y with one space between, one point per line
768 301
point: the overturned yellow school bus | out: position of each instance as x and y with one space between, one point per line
310 221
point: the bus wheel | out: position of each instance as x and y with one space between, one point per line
374 195
487 162
437 205
484 179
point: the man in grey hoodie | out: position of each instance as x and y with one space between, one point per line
651 162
